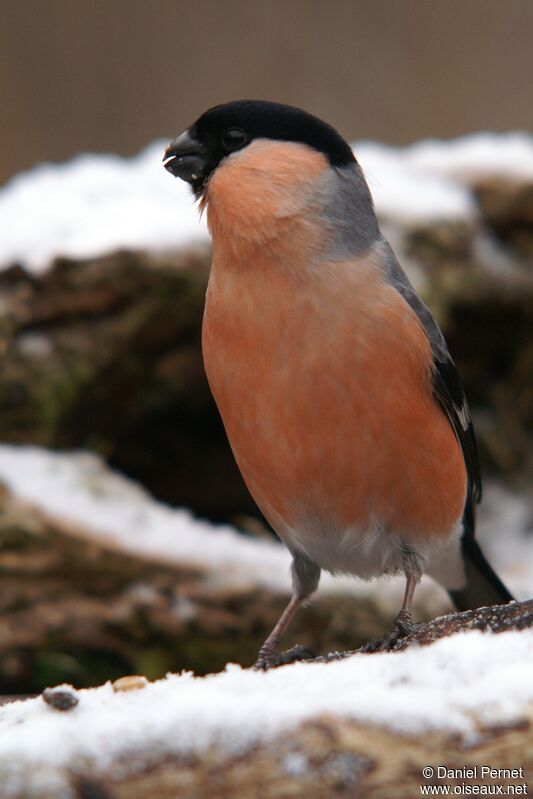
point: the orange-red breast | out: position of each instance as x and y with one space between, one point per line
340 400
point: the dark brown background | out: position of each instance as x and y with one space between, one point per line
114 74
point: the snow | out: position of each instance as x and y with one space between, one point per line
428 182
95 204
79 490
409 194
448 687
476 156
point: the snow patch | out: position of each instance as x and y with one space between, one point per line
410 194
446 687
475 156
95 204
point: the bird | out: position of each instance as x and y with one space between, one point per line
341 402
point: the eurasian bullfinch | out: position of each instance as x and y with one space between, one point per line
340 399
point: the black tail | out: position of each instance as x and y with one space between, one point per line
483 586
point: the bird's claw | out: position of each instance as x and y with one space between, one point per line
402 628
271 658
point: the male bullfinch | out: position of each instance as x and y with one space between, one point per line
340 399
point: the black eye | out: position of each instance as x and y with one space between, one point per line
234 138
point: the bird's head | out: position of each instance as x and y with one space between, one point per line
227 129
271 171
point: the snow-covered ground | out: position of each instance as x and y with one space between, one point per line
79 489
95 204
456 685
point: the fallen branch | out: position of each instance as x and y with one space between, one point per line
497 619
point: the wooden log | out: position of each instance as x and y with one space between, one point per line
327 756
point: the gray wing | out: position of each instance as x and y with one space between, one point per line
447 387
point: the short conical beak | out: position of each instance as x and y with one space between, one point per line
186 158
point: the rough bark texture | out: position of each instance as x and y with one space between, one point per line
497 619
323 759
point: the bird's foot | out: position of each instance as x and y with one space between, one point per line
269 658
403 626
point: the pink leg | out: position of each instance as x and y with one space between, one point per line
403 623
268 654
405 616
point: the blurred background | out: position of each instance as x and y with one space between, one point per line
100 344
111 75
